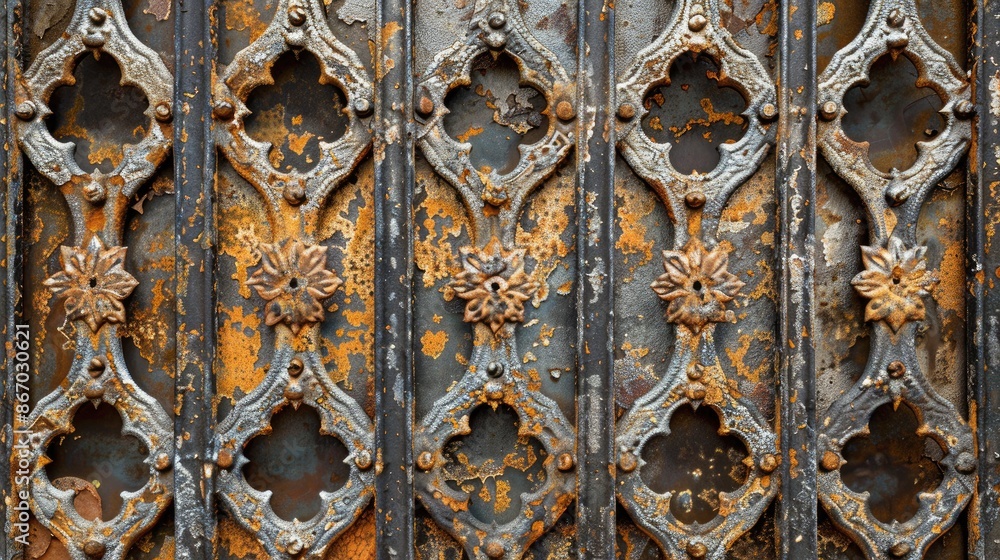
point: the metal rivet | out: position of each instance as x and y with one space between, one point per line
94 549
697 22
94 40
828 110
97 16
425 107
25 111
225 459
294 392
694 372
94 193
162 462
896 18
896 369
362 106
294 546
966 462
898 42
494 369
768 463
93 392
697 549
626 111
425 461
900 549
295 367
564 110
296 15
294 194
97 367
627 462
768 112
830 461
163 112
497 20
696 392
223 110
565 462
363 460
965 109
695 199
494 550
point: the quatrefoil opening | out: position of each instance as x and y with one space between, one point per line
298 25
295 381
97 26
696 29
498 32
894 28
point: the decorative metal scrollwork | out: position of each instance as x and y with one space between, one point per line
294 280
93 281
697 285
894 281
495 286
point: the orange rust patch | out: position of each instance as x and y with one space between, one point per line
432 343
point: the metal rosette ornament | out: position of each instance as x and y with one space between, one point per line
894 282
497 27
94 283
697 287
293 280
495 287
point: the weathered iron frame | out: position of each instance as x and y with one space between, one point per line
194 162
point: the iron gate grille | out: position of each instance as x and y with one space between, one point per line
501 279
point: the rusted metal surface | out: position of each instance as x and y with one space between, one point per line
499 279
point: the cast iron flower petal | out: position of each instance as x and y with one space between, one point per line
894 281
294 280
697 284
93 283
494 285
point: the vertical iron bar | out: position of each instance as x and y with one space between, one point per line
595 419
194 168
11 249
983 274
393 273
796 187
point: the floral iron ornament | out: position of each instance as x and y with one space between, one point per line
93 283
894 281
698 286
494 284
294 280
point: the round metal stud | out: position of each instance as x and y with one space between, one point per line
768 463
163 112
294 546
900 549
425 461
494 550
697 22
294 194
296 15
94 193
225 459
425 106
494 369
223 110
965 109
898 42
497 20
828 110
93 392
162 462
94 40
96 367
97 16
25 111
627 462
896 369
966 463
565 111
363 460
896 18
362 107
295 367
626 111
697 550
768 112
830 461
565 462
695 199
694 372
294 392
94 549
